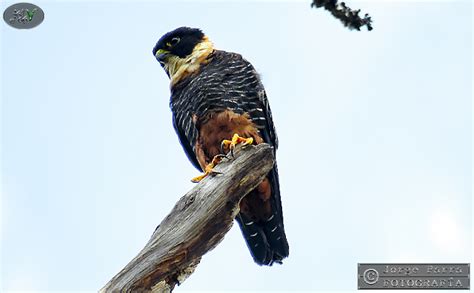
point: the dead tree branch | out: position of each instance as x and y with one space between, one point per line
349 17
197 223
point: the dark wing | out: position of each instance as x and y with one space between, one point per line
268 133
244 86
187 147
247 94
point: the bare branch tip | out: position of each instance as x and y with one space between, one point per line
349 17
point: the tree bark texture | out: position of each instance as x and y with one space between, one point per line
197 223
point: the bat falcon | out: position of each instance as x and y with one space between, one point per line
218 100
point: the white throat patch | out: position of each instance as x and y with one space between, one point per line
181 67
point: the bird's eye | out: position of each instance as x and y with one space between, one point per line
173 42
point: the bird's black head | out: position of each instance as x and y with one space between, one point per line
181 52
179 42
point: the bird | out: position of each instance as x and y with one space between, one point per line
217 101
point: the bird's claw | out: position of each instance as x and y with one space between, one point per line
231 144
208 170
226 144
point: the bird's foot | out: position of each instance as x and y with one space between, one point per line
236 139
209 169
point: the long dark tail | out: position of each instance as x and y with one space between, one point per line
266 238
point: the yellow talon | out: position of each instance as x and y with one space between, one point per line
246 141
236 139
208 169
197 179
230 145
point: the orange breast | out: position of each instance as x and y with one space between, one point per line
213 129
217 126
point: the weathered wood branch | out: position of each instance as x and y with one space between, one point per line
349 17
197 223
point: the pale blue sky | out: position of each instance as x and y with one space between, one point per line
374 127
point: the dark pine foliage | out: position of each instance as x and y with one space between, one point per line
350 18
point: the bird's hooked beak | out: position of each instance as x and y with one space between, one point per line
161 55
